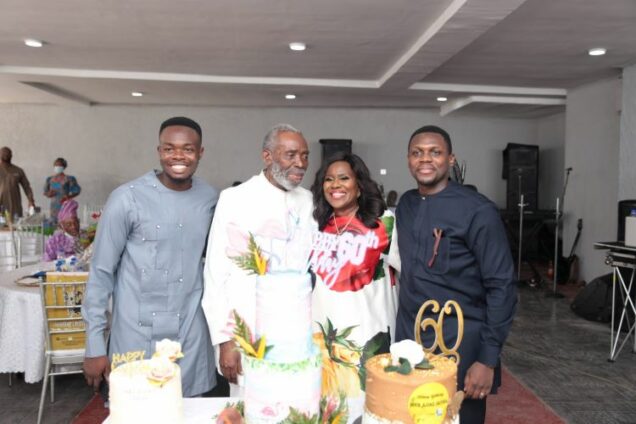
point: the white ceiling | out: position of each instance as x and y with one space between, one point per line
361 53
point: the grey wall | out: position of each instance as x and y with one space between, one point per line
550 139
106 146
627 157
592 149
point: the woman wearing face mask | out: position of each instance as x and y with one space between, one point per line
60 187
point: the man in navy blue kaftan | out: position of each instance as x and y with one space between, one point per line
453 246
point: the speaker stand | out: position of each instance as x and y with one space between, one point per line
554 293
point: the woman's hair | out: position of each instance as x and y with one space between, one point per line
371 204
62 161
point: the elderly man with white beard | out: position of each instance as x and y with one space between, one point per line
268 204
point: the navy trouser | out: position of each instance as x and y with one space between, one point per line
473 411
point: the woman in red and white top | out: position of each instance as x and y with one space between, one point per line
354 285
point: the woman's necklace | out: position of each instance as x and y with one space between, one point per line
335 223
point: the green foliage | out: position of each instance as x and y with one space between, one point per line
404 368
380 343
379 270
297 417
333 336
424 365
242 329
332 411
389 222
239 406
251 261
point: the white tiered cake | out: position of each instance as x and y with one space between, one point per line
289 375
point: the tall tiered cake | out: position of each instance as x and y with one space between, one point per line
288 375
282 366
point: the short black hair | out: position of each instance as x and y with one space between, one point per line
436 130
183 122
63 161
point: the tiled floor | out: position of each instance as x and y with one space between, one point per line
19 403
558 355
563 359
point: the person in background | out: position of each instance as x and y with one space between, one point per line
453 246
11 178
355 288
391 200
148 260
60 187
65 241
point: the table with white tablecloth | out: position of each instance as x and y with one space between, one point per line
203 410
22 324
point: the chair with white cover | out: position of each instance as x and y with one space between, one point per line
62 296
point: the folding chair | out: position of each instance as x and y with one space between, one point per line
62 296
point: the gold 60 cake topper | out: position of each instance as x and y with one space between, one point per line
438 327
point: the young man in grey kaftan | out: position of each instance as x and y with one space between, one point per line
148 257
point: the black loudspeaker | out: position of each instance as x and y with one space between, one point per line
625 208
594 301
334 145
521 170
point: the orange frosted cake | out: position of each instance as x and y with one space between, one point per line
412 384
395 398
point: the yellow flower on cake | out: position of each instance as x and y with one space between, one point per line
345 354
341 360
329 380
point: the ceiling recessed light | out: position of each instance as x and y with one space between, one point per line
290 96
136 94
598 51
442 99
297 47
31 42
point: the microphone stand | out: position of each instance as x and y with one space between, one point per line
554 292
519 253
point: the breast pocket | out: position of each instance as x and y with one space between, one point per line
441 262
164 243
165 325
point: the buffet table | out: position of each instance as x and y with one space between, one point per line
22 324
203 410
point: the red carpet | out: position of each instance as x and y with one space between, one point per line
93 413
514 404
